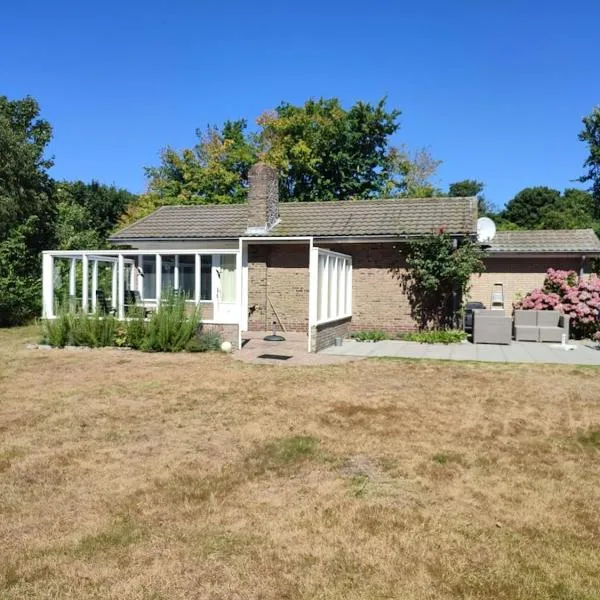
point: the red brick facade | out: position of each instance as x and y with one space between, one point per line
518 275
278 285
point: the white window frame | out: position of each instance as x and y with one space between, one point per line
341 294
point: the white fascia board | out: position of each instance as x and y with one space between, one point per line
149 251
277 240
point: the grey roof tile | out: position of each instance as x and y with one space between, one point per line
546 241
395 217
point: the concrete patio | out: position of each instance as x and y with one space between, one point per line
585 352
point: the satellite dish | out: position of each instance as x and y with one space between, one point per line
486 229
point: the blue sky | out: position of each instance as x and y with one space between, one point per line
495 89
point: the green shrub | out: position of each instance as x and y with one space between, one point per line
169 329
370 336
56 331
205 341
435 336
172 326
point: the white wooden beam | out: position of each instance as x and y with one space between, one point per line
47 286
121 288
94 284
197 276
85 282
72 276
114 285
158 279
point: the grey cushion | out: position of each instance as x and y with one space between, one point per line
551 334
526 333
547 318
526 317
492 328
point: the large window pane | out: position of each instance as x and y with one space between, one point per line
168 274
341 286
228 280
187 274
149 271
332 300
348 276
206 277
321 289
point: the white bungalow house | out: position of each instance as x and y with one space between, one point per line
322 268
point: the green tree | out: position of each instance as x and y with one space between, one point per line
590 134
573 210
215 171
88 212
437 276
471 187
27 207
325 152
409 174
526 208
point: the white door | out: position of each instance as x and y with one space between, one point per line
225 286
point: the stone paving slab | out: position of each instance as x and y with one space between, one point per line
585 353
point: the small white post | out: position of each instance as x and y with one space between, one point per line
140 278
114 285
132 277
72 277
85 280
47 286
176 273
94 284
158 279
121 288
197 275
313 282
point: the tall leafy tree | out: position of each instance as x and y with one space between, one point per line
472 187
526 208
573 210
590 134
27 207
325 152
215 171
409 173
88 212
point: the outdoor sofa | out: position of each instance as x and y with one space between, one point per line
491 327
540 326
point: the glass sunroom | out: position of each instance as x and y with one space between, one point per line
216 279
113 280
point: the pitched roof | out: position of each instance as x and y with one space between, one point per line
397 217
546 241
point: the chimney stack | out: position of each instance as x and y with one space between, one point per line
263 198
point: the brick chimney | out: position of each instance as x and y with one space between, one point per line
263 197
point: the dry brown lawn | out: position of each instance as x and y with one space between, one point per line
148 476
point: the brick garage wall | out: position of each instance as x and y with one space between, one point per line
228 331
323 336
279 271
518 275
378 301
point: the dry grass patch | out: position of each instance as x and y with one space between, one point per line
148 476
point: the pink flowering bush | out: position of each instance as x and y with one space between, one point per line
565 292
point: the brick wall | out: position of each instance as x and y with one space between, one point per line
278 284
378 301
323 336
229 332
518 275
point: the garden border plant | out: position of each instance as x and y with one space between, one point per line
576 297
435 272
175 327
